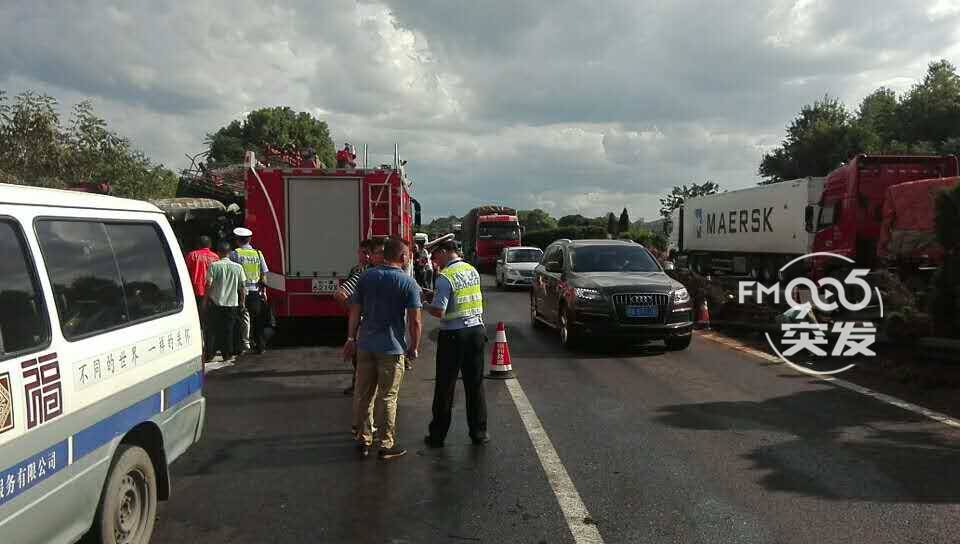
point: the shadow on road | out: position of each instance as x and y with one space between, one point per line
843 446
249 374
544 343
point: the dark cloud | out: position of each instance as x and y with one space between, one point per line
570 105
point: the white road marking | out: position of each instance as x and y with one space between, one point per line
570 502
882 397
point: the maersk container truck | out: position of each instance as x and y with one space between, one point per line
752 231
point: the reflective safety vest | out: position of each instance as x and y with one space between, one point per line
250 260
466 297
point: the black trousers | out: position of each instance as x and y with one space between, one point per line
257 307
459 352
220 330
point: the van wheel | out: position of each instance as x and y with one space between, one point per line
128 507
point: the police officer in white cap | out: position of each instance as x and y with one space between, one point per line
254 321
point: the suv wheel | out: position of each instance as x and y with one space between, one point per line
569 335
678 343
534 314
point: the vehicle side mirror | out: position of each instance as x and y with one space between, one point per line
668 266
808 218
554 266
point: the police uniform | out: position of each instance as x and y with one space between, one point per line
460 350
255 318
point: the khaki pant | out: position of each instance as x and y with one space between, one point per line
379 376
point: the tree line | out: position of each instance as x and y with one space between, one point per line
38 147
923 120
540 227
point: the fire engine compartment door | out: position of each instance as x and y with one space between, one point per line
323 227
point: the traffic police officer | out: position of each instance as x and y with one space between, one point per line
459 303
254 321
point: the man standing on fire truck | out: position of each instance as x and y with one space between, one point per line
254 321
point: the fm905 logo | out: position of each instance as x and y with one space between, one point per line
801 332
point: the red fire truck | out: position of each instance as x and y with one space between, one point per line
308 222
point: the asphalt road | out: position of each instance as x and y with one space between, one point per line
707 445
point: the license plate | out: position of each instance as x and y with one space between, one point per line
323 286
641 311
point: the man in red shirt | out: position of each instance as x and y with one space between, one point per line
198 261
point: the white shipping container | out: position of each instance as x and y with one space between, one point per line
762 219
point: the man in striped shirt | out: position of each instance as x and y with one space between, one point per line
370 254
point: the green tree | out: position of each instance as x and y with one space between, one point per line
679 194
280 127
624 224
536 219
930 111
575 220
440 226
36 149
612 225
878 115
818 140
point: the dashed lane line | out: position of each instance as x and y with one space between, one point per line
882 397
578 518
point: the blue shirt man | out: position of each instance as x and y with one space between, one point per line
384 293
388 299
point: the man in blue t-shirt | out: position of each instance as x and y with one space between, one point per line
389 301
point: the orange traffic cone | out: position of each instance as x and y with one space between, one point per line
500 367
703 316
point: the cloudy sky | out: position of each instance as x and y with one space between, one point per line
568 105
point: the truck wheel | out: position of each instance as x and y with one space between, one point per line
569 335
128 506
678 343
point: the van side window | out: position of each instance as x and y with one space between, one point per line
24 325
105 275
83 273
149 282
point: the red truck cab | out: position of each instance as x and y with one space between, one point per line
850 214
495 232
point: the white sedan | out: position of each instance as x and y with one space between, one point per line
515 266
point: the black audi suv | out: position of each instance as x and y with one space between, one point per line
609 288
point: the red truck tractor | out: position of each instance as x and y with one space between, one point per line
868 195
486 231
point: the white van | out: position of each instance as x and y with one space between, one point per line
100 370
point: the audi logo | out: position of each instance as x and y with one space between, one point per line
642 299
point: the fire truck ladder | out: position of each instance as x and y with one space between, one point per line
379 195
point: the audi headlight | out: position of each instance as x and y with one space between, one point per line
512 272
681 296
587 294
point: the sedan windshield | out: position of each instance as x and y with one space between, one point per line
524 256
613 259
